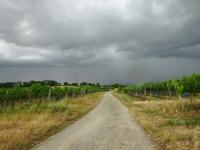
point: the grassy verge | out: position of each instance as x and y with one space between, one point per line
29 124
173 124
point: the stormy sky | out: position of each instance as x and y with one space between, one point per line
105 41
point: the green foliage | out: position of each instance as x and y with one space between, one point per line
187 84
58 92
38 91
191 83
116 85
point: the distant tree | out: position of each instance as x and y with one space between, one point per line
7 85
51 83
83 83
75 84
116 85
26 84
66 83
98 85
91 84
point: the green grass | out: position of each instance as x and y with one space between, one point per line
37 108
51 107
195 121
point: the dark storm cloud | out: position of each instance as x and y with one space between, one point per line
103 34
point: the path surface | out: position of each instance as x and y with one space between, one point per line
109 126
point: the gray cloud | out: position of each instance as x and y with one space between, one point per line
100 35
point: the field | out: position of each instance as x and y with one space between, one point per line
167 110
172 123
28 124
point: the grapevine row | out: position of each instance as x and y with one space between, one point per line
187 86
19 94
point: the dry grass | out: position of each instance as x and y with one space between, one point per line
173 124
21 130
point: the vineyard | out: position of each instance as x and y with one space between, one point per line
186 87
31 111
17 93
169 111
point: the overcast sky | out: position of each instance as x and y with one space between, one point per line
103 41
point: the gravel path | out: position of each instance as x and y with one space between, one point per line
107 127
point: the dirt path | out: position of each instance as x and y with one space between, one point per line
107 127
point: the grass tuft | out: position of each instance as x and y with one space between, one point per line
195 121
51 107
186 107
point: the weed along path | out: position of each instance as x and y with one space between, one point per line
107 127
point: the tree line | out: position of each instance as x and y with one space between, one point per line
45 82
